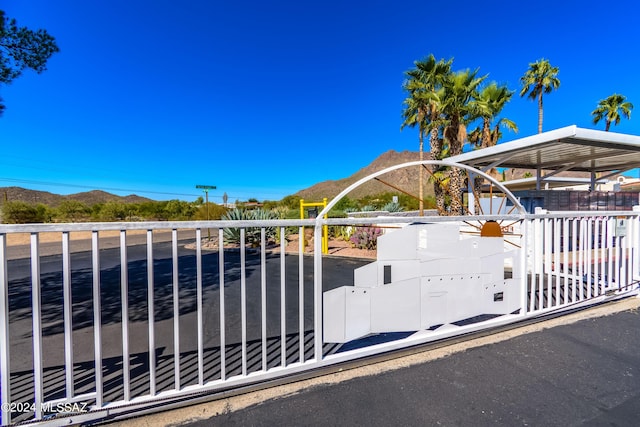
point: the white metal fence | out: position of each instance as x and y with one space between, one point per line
107 326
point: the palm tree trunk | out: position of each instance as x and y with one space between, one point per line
540 112
436 153
607 125
486 133
421 175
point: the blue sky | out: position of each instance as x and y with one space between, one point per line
263 99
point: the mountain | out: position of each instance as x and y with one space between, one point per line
88 197
406 179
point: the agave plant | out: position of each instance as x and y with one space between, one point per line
252 234
392 207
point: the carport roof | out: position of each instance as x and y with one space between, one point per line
566 149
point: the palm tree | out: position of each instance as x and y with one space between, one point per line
488 105
540 78
460 88
422 107
611 109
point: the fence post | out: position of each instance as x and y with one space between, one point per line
635 244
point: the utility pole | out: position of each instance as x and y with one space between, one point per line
206 189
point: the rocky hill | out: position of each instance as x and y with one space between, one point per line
406 179
88 197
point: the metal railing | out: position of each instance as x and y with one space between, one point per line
156 313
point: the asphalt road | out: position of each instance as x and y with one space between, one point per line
581 374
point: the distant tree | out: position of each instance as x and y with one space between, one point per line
72 211
540 78
19 212
22 48
611 109
216 212
179 210
291 201
151 210
112 211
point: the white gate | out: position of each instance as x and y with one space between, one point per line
106 327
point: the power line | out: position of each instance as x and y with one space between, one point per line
129 190
57 184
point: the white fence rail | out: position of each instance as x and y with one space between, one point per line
136 315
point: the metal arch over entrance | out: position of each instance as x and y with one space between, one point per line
468 168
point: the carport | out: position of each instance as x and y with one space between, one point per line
570 149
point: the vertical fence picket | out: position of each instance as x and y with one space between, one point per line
574 259
68 315
565 259
610 252
595 256
602 257
97 316
151 314
589 253
548 239
36 313
301 339
582 260
533 263
629 246
560 297
124 296
539 256
243 299
317 293
223 343
283 303
176 309
199 308
5 344
263 296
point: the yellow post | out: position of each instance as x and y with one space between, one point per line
325 234
325 228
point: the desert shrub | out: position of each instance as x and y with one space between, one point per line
72 211
392 207
365 237
292 202
179 210
342 232
111 211
252 234
216 212
24 213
